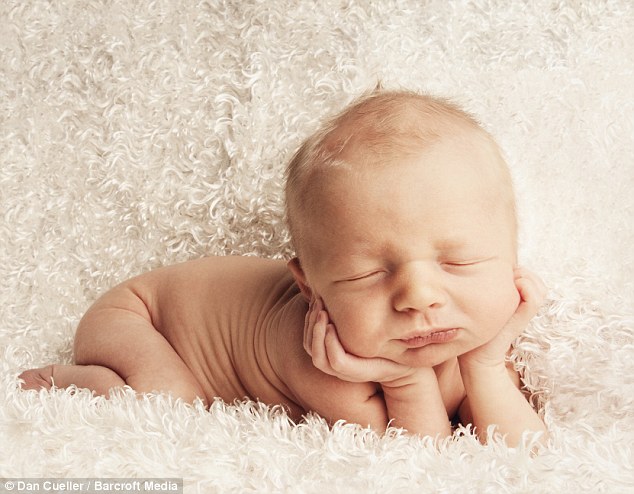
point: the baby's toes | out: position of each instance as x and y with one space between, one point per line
37 378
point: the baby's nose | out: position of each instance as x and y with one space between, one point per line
419 288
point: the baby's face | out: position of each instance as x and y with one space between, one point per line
414 260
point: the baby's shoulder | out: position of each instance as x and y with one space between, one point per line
214 270
230 275
220 291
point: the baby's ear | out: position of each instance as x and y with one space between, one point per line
295 268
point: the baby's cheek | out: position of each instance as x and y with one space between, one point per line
339 317
492 304
350 332
353 328
506 302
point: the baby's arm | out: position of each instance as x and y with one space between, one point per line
414 402
493 396
412 396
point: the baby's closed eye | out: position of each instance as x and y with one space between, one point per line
364 276
460 262
463 263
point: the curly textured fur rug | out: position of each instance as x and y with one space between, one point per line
140 133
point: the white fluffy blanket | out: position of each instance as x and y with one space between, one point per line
141 133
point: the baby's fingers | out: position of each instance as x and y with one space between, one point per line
330 356
341 363
309 322
317 345
531 287
315 308
328 353
532 291
349 367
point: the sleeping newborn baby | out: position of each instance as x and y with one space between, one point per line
399 308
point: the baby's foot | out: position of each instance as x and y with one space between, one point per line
41 378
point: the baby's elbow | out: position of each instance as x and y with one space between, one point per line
372 414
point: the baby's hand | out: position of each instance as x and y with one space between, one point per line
532 292
322 343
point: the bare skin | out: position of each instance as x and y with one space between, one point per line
420 271
185 330
402 307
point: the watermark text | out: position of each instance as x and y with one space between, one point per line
90 486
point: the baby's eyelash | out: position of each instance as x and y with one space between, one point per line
461 263
470 262
362 276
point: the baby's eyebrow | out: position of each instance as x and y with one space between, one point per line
349 258
451 244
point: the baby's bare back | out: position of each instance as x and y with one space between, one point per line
218 314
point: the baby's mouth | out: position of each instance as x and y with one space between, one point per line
435 336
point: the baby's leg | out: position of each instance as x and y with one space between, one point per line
116 344
140 356
99 379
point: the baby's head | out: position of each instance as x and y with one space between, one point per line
380 130
391 190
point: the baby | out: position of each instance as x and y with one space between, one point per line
399 308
